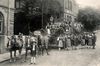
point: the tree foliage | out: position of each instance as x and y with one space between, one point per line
50 8
32 14
89 17
31 7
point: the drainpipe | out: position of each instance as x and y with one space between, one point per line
8 17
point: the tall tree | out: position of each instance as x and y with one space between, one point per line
32 10
89 17
53 7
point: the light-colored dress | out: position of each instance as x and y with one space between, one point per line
60 42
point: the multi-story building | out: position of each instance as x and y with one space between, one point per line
70 11
6 22
7 9
69 8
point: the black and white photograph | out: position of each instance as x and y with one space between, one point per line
49 32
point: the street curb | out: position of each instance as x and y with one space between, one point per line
9 58
4 60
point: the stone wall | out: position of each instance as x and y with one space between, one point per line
7 10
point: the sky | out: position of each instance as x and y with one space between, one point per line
91 3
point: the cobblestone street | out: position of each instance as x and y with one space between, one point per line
84 57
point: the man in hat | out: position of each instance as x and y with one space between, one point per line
94 38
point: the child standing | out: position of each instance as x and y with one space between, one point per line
33 44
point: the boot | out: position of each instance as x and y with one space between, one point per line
31 60
59 49
14 60
34 60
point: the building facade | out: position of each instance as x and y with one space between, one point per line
6 22
69 7
70 10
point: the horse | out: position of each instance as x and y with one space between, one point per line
28 46
39 45
14 45
44 41
19 42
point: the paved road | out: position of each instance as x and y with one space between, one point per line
82 57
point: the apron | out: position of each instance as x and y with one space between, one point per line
60 43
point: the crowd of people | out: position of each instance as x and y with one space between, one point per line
85 40
38 44
35 44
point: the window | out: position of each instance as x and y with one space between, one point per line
18 3
1 22
65 17
0 27
66 4
70 5
69 19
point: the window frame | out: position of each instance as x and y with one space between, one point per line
1 22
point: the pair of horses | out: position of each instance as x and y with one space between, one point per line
15 44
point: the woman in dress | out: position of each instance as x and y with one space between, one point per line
60 42
94 38
83 41
68 41
90 40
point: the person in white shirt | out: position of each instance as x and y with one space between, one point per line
33 44
48 30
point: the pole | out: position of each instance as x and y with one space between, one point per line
42 13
